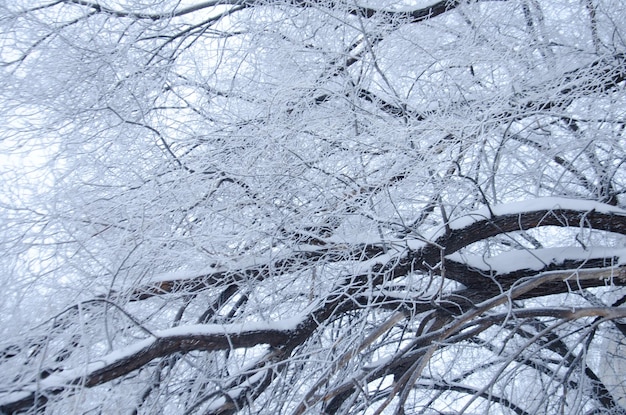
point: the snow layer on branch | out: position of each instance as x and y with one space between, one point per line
62 379
526 206
538 259
231 329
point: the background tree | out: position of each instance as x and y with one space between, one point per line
305 206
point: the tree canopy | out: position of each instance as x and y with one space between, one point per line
313 206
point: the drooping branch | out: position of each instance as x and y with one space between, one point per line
167 342
406 359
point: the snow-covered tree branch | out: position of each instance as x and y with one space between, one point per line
292 206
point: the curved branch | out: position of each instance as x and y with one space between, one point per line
176 340
550 211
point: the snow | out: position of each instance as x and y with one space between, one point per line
537 259
525 206
194 330
230 329
548 203
185 274
13 397
409 5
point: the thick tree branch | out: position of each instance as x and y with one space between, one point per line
177 340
